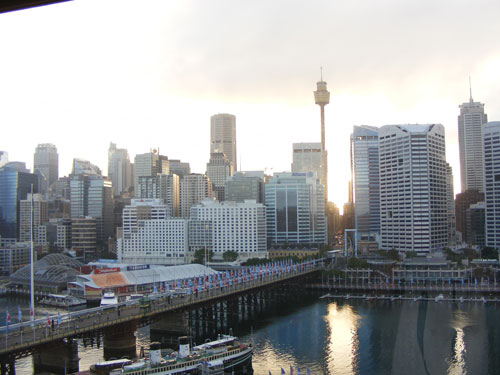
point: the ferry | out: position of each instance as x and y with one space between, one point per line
109 298
62 300
225 355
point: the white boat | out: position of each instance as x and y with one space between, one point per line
226 354
61 300
109 298
439 298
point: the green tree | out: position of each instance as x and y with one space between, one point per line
230 256
489 253
199 256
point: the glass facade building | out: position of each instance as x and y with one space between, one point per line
295 209
365 179
491 144
14 187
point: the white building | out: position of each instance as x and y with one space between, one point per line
470 121
413 188
194 188
119 169
40 216
239 227
491 144
150 236
219 169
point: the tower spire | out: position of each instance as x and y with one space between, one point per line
470 91
321 73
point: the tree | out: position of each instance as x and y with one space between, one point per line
230 256
199 256
489 253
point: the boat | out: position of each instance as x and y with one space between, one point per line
62 300
224 355
440 297
109 298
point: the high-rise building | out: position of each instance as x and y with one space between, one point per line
14 187
81 166
295 209
46 165
194 188
150 164
119 169
219 169
84 237
450 206
413 193
239 227
470 122
475 218
322 98
242 186
4 158
223 136
40 216
365 179
462 203
308 157
179 168
491 146
163 186
151 236
92 196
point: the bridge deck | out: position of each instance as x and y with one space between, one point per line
17 338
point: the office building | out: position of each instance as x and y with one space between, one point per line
295 209
179 168
119 169
92 196
81 166
4 158
462 202
239 227
14 256
163 186
450 206
14 187
84 237
46 165
491 146
151 236
150 164
219 169
40 216
365 180
308 157
194 188
475 220
470 121
223 136
242 186
413 191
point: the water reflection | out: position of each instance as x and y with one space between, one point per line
342 342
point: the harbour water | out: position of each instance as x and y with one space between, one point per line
338 336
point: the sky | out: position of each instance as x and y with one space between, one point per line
150 74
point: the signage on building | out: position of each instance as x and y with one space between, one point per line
106 270
138 267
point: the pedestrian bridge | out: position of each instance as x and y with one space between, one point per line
18 339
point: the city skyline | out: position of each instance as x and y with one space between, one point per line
153 80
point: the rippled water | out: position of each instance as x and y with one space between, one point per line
362 337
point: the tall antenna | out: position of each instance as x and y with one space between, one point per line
470 90
321 72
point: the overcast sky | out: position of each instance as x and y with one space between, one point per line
149 74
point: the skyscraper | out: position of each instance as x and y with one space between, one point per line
295 209
150 164
413 191
194 188
491 146
163 186
322 98
14 187
219 169
119 169
365 179
308 157
46 165
40 216
223 136
243 186
470 121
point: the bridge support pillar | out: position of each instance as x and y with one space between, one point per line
168 330
119 341
60 357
